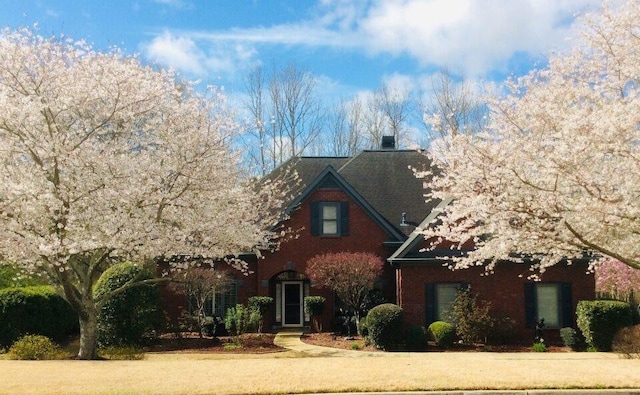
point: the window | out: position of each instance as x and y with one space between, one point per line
224 300
548 296
439 300
551 301
218 304
329 218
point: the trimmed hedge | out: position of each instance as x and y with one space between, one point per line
37 311
384 325
259 306
130 317
599 321
443 333
314 305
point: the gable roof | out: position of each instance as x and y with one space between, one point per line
415 238
329 174
381 181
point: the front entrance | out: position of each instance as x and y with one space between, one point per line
292 306
289 288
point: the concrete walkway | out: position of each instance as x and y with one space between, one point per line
291 341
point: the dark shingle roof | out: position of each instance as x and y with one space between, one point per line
308 168
386 180
383 178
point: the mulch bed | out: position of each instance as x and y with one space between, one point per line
340 341
249 343
253 343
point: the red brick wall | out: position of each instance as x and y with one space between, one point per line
504 288
364 235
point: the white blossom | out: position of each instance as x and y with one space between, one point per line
104 158
556 173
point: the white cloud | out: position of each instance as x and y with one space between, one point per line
471 36
400 83
180 53
194 58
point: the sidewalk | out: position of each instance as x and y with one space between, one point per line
291 341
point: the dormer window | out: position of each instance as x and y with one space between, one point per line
329 218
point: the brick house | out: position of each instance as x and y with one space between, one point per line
372 202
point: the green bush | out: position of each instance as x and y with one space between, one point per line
239 320
471 317
259 306
11 277
443 333
384 325
572 339
627 342
568 336
416 338
130 317
599 321
374 297
35 347
314 306
35 310
539 347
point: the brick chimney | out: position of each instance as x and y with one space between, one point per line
388 143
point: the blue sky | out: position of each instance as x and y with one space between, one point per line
351 45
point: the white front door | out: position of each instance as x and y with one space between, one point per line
292 306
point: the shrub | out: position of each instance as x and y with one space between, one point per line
416 338
539 347
239 320
627 341
34 310
442 333
35 347
12 277
374 297
470 317
127 318
384 324
259 306
502 329
572 339
314 306
568 336
600 320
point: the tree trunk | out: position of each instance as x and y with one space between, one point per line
358 329
88 334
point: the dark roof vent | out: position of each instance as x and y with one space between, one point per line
388 142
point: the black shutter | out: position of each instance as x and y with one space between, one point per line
344 218
530 304
566 303
430 303
315 218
